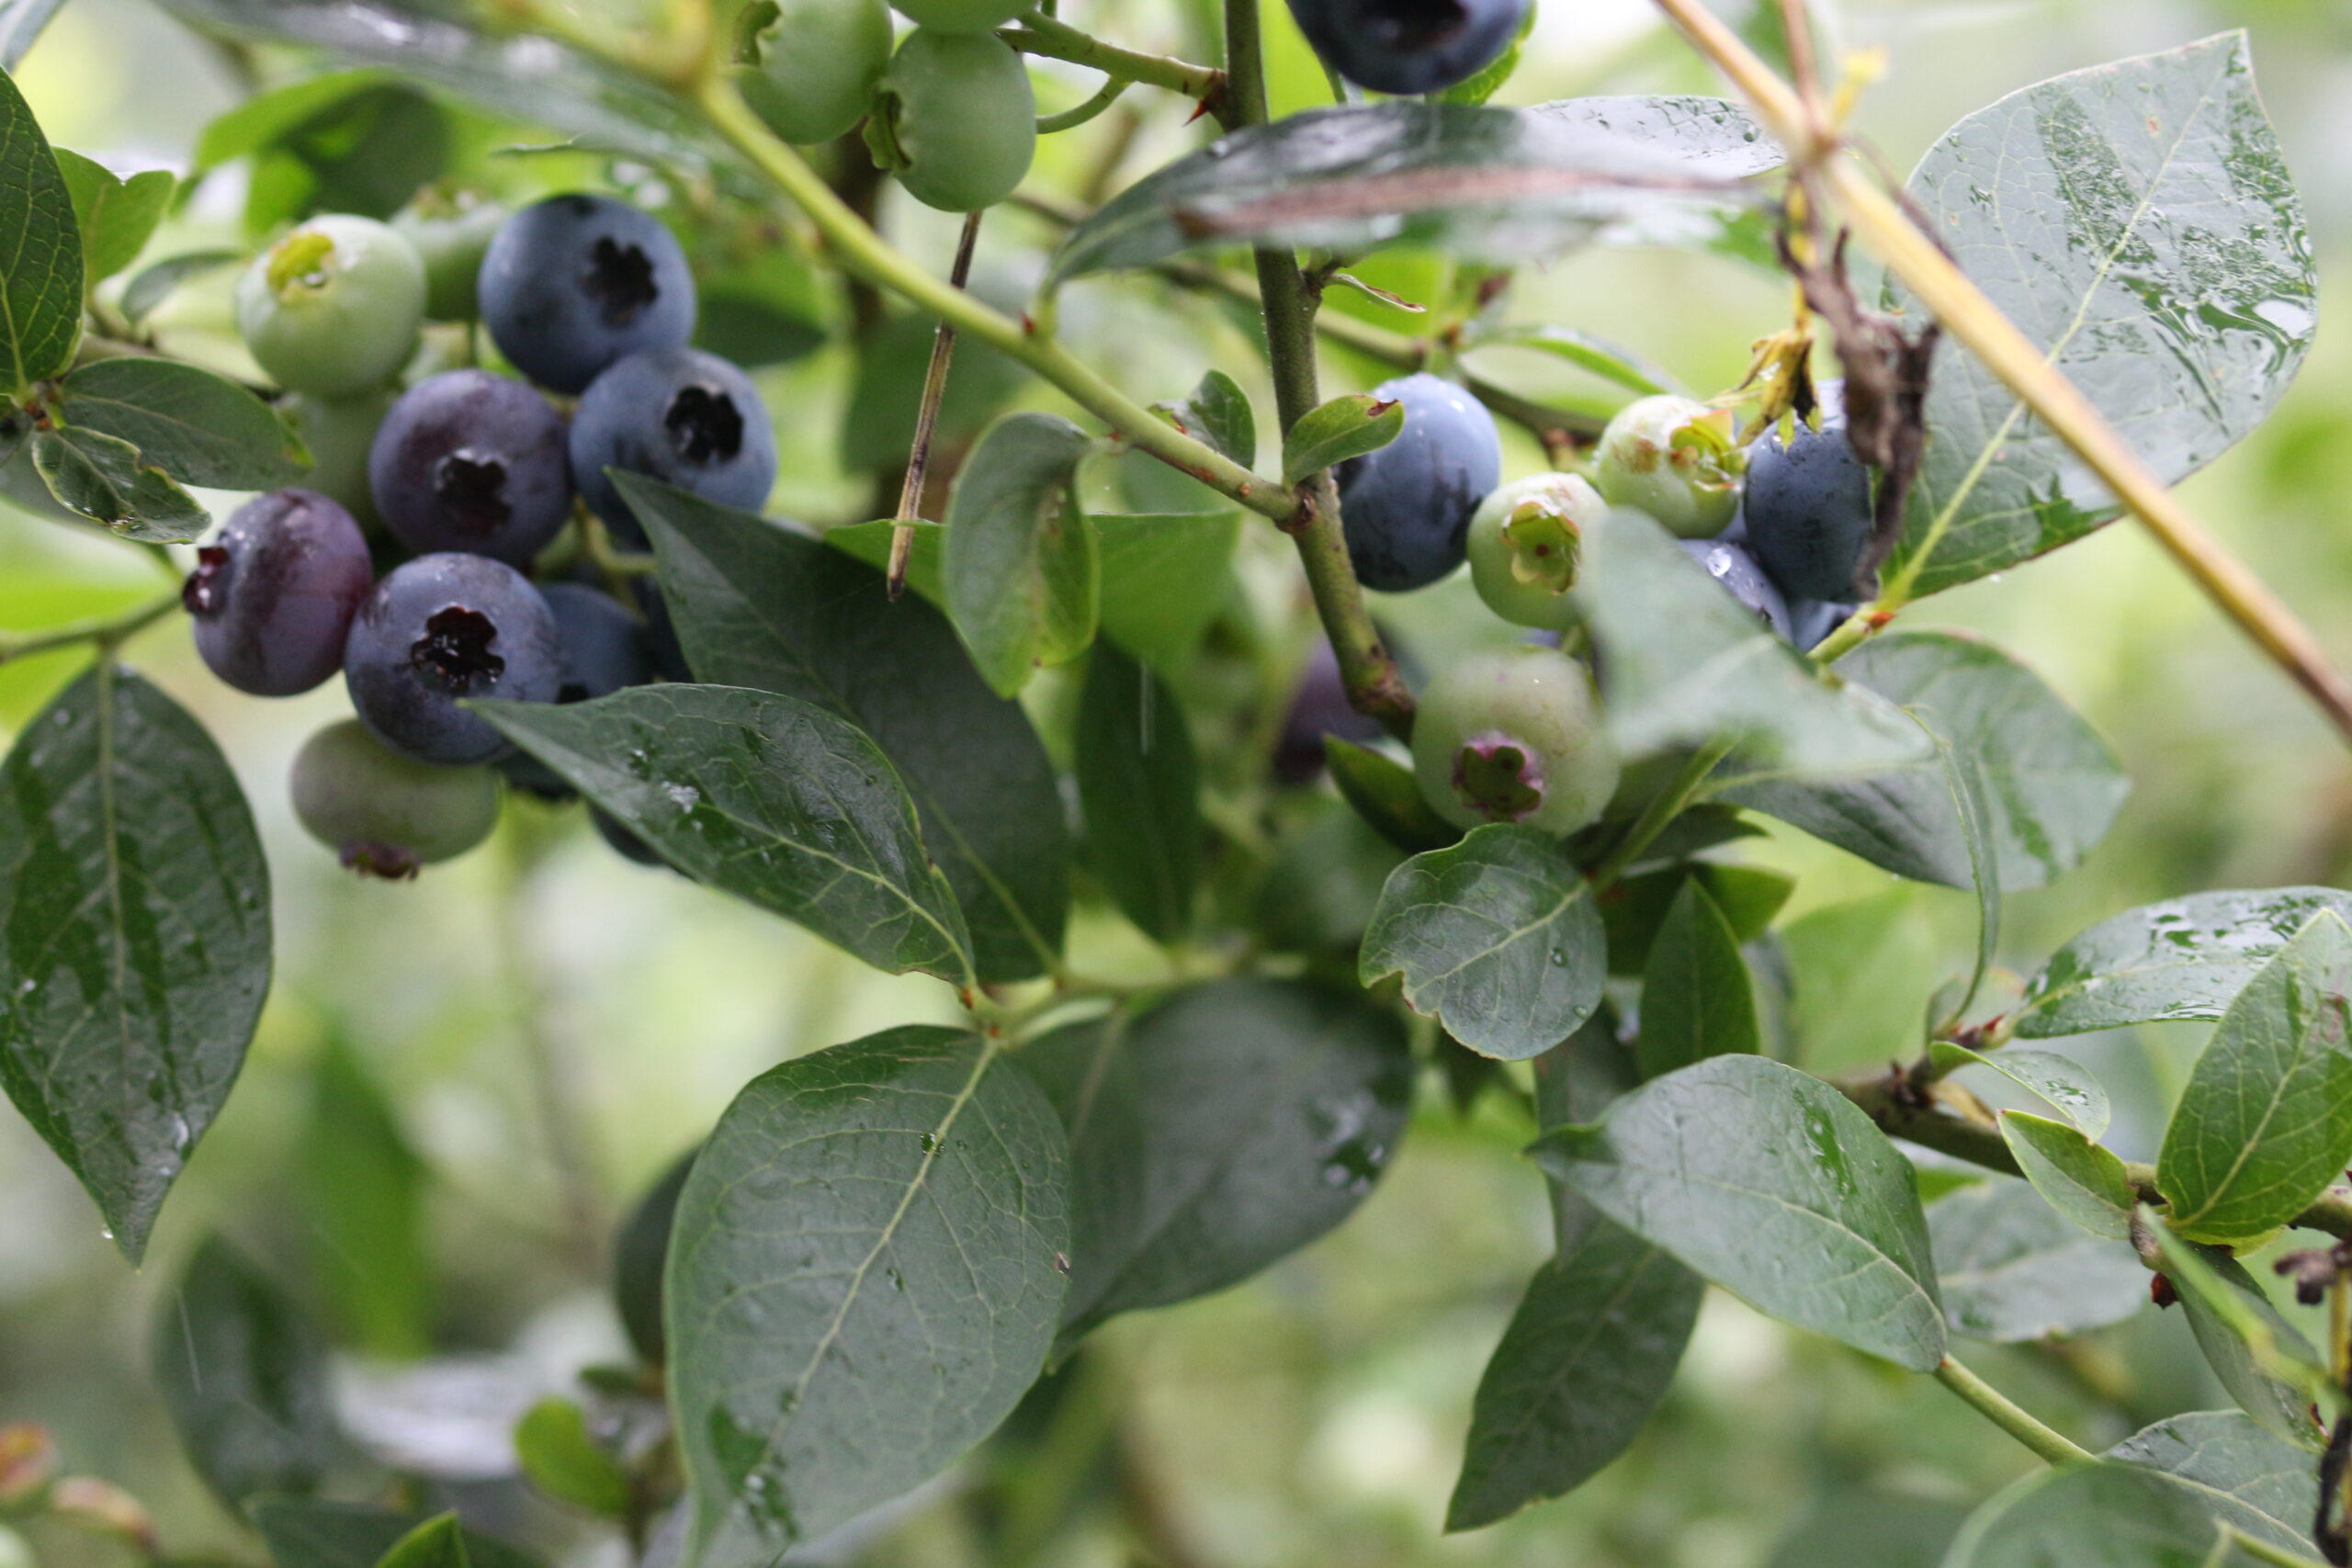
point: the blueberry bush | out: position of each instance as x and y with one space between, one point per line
1225 884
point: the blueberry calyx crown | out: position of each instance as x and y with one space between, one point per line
1497 776
454 652
704 425
206 591
471 487
619 277
386 861
1547 546
300 261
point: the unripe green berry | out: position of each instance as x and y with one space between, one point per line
334 308
339 432
1514 735
954 119
811 68
451 234
1526 547
1674 458
385 814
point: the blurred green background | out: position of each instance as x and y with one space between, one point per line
460 1083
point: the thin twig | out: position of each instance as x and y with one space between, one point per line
934 389
105 631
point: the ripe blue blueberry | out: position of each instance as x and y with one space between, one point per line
1319 707
574 282
604 649
1808 510
470 461
386 815
1409 46
681 416
274 593
1731 565
1406 507
439 630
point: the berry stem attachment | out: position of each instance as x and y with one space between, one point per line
106 632
2010 1417
934 389
1879 222
1663 808
1042 35
865 255
1288 308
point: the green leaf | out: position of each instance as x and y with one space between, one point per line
2138 222
1586 352
1497 938
2052 788
436 1543
870 542
126 846
1684 663
1164 580
1774 1185
21 22
1864 1528
268 118
878 427
638 1253
1491 184
313 1533
1585 1360
767 798
1324 881
1383 792
2081 1181
1218 412
1696 998
2250 1479
115 217
199 428
40 282
244 1377
362 1198
105 480
1343 428
2266 1123
2011 1269
2262 1359
1634 908
1139 787
1717 137
1023 584
2185 958
154 283
2093 1516
1862 971
861 1284
759 605
1225 1129
2078 1096
561 1458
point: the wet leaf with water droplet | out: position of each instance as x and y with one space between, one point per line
1496 937
2250 1478
767 798
850 1310
2266 1123
1773 1185
2138 222
138 938
1222 1130
2185 958
2011 1269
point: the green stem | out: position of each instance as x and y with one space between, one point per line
1663 808
1071 119
2263 1552
1288 308
1997 1408
108 632
866 255
1040 34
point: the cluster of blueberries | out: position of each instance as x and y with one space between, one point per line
462 480
1513 736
